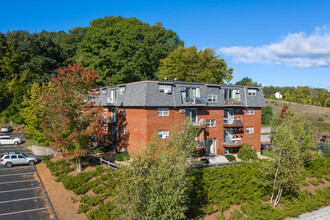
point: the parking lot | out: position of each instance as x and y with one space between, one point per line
22 195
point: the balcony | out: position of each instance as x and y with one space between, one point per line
199 123
233 142
233 122
233 102
194 100
108 120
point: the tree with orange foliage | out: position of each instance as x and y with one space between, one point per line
70 120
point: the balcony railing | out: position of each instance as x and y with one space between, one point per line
199 122
233 102
194 100
109 120
233 141
233 121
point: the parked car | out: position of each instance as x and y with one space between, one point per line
10 140
7 129
11 158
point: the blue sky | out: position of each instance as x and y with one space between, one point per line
285 43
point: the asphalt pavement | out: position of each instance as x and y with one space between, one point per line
22 195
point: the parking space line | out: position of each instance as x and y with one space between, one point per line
19 181
29 210
16 174
8 168
16 200
17 190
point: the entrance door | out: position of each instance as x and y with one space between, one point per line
192 114
229 133
211 146
229 114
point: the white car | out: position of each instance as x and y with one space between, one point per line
10 140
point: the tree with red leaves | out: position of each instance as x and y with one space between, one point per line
70 120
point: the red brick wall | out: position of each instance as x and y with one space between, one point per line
253 121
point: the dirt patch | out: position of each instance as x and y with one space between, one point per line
226 213
59 196
312 188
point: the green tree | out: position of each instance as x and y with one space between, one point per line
247 153
293 145
193 65
323 98
247 82
125 50
34 112
155 184
266 115
69 119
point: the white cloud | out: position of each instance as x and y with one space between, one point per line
325 86
297 50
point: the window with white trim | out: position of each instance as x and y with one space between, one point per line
163 134
252 92
163 112
123 130
210 123
123 111
105 110
122 90
250 111
249 130
212 98
104 91
165 88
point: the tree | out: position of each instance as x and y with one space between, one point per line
266 115
193 65
125 50
155 184
323 98
292 142
247 153
70 120
34 112
247 82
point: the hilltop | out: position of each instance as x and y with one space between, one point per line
319 116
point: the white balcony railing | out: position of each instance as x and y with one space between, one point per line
233 121
232 141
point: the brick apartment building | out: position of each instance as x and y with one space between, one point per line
228 116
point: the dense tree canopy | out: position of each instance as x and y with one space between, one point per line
193 65
247 82
124 50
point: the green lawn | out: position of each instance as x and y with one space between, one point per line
268 154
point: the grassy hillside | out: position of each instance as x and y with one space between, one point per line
319 116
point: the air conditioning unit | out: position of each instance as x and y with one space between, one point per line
168 91
182 111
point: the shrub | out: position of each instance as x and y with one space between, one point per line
326 151
230 158
320 118
100 149
122 156
247 153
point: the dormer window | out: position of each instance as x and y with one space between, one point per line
103 91
122 90
212 98
252 92
165 89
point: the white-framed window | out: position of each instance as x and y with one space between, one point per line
252 92
113 114
104 91
105 110
122 90
163 134
112 96
210 123
123 111
165 88
113 130
123 130
250 111
249 130
163 112
212 98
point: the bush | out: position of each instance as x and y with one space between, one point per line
326 151
101 149
320 118
230 158
122 156
247 153
266 115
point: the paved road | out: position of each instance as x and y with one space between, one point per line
22 195
321 214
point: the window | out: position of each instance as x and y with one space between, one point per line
21 157
121 90
104 91
232 95
212 98
192 114
163 134
250 111
165 88
163 112
105 110
123 131
123 111
252 92
113 114
210 123
249 130
13 157
113 130
6 157
112 96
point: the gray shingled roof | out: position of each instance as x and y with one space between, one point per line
147 94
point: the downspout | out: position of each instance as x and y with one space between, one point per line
246 102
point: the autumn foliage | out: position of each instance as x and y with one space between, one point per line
70 120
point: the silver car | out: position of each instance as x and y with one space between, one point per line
7 129
11 158
10 140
